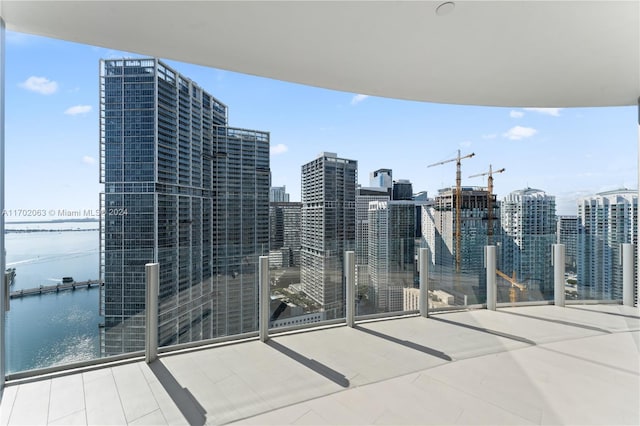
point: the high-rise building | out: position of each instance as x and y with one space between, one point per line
186 191
391 252
381 178
421 199
328 228
438 234
285 229
606 221
363 197
278 194
402 190
567 234
529 227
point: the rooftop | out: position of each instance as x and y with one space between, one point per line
524 365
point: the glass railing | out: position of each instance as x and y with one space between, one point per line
53 274
307 286
68 320
387 277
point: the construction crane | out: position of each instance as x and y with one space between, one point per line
514 284
489 201
458 200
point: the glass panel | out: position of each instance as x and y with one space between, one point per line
60 313
386 277
311 291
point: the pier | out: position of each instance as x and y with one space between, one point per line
56 288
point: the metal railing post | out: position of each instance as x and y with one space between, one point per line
557 260
350 283
490 264
423 263
152 272
263 297
628 274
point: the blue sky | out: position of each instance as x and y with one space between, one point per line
52 137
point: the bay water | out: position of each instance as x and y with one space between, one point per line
54 328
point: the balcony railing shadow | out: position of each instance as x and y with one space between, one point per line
327 372
188 405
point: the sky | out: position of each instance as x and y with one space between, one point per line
52 133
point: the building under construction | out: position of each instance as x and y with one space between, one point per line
438 228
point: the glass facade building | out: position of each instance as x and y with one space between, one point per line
328 228
606 220
285 228
529 226
568 235
391 252
402 190
182 189
278 194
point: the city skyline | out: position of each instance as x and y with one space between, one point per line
52 136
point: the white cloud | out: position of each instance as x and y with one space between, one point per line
358 98
465 144
519 132
41 85
516 114
546 111
88 160
279 149
78 109
490 136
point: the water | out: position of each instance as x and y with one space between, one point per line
56 328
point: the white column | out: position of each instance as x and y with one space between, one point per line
557 254
627 274
350 283
264 308
423 263
490 264
152 271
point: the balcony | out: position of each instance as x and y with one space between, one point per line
524 365
518 364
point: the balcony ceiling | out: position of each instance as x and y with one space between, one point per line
501 53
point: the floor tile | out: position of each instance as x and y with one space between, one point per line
102 400
67 397
31 405
76 418
135 394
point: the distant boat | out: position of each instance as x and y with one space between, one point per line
67 280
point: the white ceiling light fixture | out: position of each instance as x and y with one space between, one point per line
445 8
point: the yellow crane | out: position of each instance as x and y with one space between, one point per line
458 200
514 284
489 201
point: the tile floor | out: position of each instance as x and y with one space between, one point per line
527 365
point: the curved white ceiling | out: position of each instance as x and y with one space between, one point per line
503 53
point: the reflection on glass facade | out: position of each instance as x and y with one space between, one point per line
328 228
184 190
606 221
